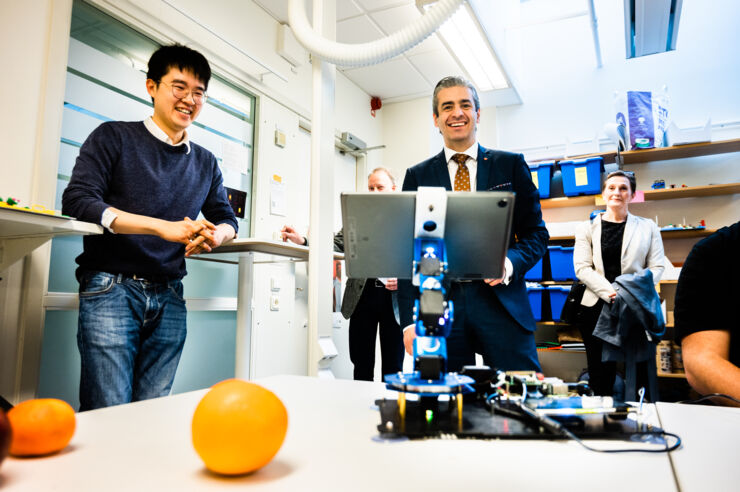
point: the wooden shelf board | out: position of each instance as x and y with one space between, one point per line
693 191
650 195
667 153
568 201
688 233
678 234
676 375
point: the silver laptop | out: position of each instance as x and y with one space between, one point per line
379 233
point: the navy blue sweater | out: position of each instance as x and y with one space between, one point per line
122 165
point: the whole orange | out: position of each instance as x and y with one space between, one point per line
238 427
41 426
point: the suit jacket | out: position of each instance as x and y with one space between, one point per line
642 247
353 289
497 171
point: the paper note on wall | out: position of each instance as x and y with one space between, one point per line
535 179
581 175
235 157
277 196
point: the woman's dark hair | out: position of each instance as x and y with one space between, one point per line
182 58
625 174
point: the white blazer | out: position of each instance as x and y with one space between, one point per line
642 247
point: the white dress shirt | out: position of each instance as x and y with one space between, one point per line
161 135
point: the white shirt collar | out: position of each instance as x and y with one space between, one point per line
471 152
160 134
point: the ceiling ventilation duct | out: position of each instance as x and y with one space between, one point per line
651 26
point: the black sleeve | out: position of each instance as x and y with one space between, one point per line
700 302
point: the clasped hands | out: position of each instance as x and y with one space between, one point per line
198 236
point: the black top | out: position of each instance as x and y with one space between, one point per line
611 248
709 288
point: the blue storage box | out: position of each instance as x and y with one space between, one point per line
534 273
582 177
541 174
535 300
561 263
558 295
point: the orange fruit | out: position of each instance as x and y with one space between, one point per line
238 427
41 426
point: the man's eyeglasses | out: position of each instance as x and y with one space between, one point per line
180 91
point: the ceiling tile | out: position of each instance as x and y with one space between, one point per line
395 19
395 78
372 5
435 65
357 30
346 9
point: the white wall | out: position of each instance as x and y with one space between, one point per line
566 96
409 134
33 45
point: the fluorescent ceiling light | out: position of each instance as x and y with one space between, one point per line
467 42
651 26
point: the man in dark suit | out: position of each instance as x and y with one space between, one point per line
492 317
368 303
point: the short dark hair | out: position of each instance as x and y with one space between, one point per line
453 81
383 170
624 174
180 57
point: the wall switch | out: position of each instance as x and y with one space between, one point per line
280 139
274 284
274 302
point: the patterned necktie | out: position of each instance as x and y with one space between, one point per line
462 176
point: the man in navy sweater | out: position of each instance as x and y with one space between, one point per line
146 183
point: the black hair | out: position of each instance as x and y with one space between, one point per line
453 81
625 174
180 57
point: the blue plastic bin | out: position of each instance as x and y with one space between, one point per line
561 263
582 177
534 273
558 294
541 174
535 300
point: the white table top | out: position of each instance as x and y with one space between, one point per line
18 224
232 250
332 444
710 454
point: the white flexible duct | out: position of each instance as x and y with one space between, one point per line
360 54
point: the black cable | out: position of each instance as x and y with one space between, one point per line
707 397
556 428
663 433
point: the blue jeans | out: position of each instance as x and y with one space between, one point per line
130 335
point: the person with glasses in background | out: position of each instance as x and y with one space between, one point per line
146 183
614 243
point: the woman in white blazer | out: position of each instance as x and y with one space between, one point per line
615 242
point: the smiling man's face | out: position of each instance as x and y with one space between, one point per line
171 114
457 119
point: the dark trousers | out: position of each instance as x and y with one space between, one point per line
601 375
483 325
375 308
